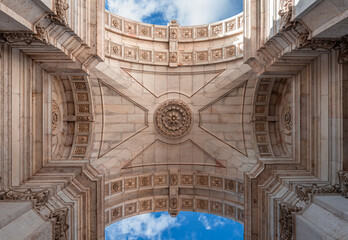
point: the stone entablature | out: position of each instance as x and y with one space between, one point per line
195 45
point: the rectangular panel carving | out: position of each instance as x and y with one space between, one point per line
130 209
116 187
161 180
216 207
145 181
202 204
230 185
161 204
116 213
186 203
130 184
145 205
186 179
216 182
202 180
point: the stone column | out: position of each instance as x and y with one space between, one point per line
326 217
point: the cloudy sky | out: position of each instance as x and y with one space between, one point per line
187 226
187 12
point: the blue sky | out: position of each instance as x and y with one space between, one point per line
187 12
186 226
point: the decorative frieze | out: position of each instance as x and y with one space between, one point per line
304 191
40 197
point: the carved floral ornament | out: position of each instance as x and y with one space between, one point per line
39 35
303 191
173 118
286 219
55 118
286 118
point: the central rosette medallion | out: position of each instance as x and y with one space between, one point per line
173 118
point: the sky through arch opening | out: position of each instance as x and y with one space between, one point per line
187 13
187 225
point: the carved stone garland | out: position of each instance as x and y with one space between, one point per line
286 118
59 217
173 118
304 191
40 197
286 220
55 119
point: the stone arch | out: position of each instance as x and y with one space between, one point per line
273 117
173 191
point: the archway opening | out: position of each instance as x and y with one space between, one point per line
187 225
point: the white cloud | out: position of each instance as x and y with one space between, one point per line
145 226
187 12
209 224
203 219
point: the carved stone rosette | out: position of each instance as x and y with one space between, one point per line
173 118
286 221
59 217
40 197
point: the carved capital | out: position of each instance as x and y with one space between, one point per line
40 197
286 219
59 217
